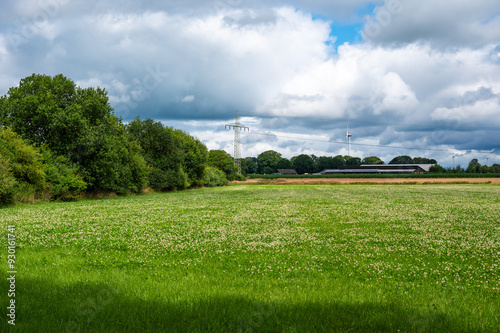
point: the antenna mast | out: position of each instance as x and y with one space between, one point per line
237 147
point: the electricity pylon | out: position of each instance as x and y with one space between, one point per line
237 147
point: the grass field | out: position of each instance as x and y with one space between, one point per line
355 258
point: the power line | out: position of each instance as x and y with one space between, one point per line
237 147
340 121
379 146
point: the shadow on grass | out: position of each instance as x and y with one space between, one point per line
45 307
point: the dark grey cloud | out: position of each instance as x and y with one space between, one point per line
427 78
443 24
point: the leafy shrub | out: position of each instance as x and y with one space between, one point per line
177 180
170 153
111 160
236 176
24 160
240 177
24 192
158 180
194 157
214 177
169 180
436 169
63 179
7 183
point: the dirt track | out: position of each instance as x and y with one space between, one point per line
315 181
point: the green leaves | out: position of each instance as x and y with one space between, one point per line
177 160
24 160
223 161
268 161
303 164
77 123
7 182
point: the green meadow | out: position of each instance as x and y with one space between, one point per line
353 258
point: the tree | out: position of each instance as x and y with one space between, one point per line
284 163
404 159
372 160
194 159
53 110
424 160
338 161
249 165
77 123
315 163
325 162
436 169
163 153
474 166
303 164
223 161
110 159
352 161
268 170
268 159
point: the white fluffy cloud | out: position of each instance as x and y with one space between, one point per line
427 69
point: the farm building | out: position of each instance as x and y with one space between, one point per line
287 171
380 169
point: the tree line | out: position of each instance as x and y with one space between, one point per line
270 161
59 141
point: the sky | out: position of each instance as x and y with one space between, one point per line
418 78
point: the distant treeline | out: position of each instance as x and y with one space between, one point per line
270 161
59 142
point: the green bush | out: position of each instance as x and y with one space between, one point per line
7 183
170 153
24 163
111 160
194 158
437 169
25 192
158 180
214 177
24 160
223 161
63 179
169 180
236 176
240 177
177 179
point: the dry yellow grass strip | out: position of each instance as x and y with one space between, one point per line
315 181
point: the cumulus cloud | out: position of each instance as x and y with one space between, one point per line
425 75
441 23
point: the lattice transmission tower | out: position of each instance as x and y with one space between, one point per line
237 147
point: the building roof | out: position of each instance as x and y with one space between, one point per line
425 167
368 171
381 168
